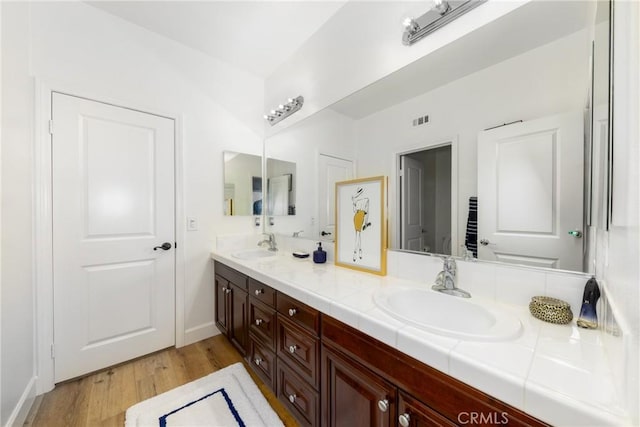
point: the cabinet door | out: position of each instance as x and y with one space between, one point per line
237 318
413 413
221 287
354 396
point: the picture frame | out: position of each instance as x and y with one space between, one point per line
361 224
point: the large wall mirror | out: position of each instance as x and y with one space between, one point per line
490 133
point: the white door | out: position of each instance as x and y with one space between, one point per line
113 202
530 198
278 195
411 208
330 170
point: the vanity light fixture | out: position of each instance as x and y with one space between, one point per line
441 13
284 110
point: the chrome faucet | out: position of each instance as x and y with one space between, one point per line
446 280
270 240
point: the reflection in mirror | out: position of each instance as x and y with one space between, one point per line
425 199
242 184
281 187
322 149
520 69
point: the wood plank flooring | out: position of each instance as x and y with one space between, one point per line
102 398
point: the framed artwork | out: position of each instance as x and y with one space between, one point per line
361 226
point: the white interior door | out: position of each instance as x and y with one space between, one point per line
330 170
412 204
113 202
278 192
530 192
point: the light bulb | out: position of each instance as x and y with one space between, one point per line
441 6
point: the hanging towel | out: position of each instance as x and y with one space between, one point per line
471 237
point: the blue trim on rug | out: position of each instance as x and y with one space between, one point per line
163 419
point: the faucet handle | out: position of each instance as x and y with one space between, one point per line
450 265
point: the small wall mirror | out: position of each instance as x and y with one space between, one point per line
242 184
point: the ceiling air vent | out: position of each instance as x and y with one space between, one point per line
422 120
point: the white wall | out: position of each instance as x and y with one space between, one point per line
545 81
621 255
76 47
359 45
18 351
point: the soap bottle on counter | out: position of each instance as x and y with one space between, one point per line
319 255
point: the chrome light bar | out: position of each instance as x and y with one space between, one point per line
439 15
284 110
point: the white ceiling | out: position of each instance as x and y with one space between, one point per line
256 36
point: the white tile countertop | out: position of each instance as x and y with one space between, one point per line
557 373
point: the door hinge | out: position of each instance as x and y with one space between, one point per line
175 245
51 127
53 351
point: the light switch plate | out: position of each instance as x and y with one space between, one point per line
192 224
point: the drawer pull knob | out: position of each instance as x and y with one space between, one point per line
258 361
259 322
292 312
383 405
404 420
293 348
228 291
259 291
224 289
292 398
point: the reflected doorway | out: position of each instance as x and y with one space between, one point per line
425 199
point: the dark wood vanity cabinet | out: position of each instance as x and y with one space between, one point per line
443 400
298 351
262 331
352 395
231 307
328 373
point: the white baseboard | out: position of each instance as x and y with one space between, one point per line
200 332
21 411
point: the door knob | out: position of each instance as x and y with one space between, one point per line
485 242
165 246
325 233
575 233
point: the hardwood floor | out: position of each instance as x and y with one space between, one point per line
102 398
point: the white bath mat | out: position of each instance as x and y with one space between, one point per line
228 397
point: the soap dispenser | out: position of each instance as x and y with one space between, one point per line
319 255
588 316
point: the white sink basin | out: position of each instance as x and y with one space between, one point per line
448 315
250 254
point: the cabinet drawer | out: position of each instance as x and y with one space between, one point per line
299 349
233 276
263 362
298 397
262 292
298 312
420 415
262 323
